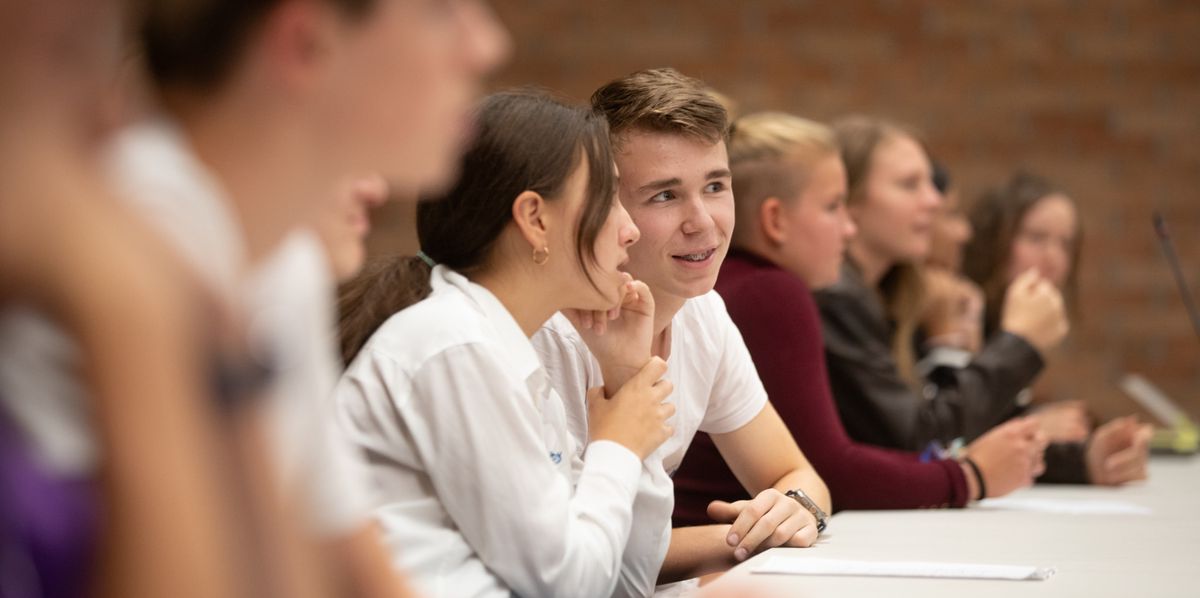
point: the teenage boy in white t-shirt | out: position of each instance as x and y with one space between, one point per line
669 135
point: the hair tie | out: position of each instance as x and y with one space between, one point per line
425 258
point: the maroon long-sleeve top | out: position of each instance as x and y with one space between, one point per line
779 321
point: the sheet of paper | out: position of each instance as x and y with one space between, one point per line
1059 506
799 565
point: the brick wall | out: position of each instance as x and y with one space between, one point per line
1103 96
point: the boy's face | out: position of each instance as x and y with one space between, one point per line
405 79
816 225
677 189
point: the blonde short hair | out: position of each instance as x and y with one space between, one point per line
771 154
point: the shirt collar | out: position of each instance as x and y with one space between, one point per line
519 353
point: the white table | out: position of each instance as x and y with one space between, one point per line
1141 556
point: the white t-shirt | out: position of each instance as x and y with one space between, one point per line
717 390
480 488
287 301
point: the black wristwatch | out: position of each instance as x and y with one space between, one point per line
799 496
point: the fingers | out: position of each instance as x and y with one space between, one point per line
1129 464
1026 279
639 298
1025 426
573 316
1143 435
635 295
1125 466
1039 443
667 432
1122 468
581 319
628 293
1075 431
1039 466
1039 439
1118 431
751 512
772 520
1032 441
667 409
1075 405
725 512
807 536
652 372
1118 451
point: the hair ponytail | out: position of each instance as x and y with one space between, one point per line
384 287
526 141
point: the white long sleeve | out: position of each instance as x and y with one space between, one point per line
471 463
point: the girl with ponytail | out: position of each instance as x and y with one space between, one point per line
481 489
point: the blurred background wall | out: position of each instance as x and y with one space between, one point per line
1101 96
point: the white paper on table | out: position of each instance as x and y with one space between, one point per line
1060 506
808 566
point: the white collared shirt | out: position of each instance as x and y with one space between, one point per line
480 487
717 390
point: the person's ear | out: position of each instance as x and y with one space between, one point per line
296 41
531 215
771 220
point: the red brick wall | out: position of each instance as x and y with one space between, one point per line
1103 96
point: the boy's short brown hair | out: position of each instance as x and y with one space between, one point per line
661 100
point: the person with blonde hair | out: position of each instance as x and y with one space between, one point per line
870 318
790 190
870 315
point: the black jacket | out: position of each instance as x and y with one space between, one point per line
879 407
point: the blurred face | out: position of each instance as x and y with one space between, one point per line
63 56
816 225
896 211
677 190
951 232
404 83
1046 239
611 248
346 221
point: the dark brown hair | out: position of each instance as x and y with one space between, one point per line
662 100
526 141
901 287
996 218
195 44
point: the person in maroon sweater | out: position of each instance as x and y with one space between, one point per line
776 156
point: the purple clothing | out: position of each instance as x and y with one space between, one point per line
48 524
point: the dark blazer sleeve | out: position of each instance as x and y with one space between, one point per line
876 404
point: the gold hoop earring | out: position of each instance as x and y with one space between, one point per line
541 256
